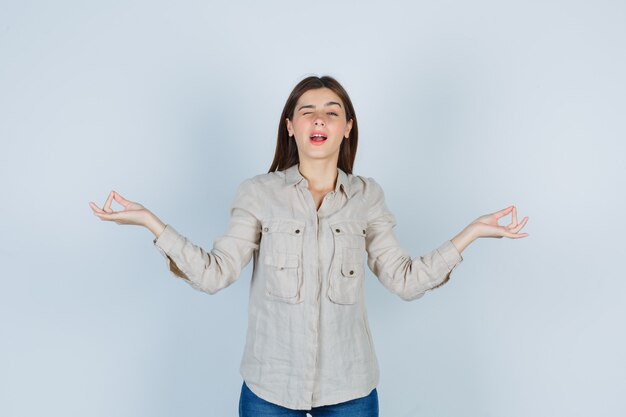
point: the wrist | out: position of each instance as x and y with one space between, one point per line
155 225
464 238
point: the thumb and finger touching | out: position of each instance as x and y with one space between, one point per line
107 213
491 228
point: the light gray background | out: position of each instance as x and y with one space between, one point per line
464 108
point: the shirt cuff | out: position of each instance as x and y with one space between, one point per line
168 239
450 254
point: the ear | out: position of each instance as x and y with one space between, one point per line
348 129
289 126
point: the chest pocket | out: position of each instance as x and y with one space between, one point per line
347 272
281 252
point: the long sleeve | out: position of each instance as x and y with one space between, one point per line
211 271
393 266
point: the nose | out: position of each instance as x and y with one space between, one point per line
319 121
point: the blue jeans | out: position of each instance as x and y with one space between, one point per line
250 405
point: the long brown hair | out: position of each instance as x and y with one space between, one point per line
286 154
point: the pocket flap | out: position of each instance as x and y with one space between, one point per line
282 260
348 227
291 226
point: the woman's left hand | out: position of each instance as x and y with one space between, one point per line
487 225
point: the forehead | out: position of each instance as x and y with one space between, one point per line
318 97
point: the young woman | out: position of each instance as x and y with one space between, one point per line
310 225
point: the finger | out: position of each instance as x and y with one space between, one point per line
520 225
107 204
513 218
120 199
108 216
95 208
503 212
515 235
117 217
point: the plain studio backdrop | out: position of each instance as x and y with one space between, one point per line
464 108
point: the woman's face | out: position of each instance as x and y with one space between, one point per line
319 111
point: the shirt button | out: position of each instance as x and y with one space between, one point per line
297 230
337 230
265 229
351 272
363 231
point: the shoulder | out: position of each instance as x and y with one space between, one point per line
268 179
373 199
260 183
365 186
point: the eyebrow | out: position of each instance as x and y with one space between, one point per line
312 106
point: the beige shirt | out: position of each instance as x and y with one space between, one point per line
308 341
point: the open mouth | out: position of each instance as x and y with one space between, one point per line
318 137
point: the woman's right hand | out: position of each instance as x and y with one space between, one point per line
133 213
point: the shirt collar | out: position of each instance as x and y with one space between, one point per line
293 177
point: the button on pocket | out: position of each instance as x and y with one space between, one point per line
346 275
284 276
348 234
346 282
282 235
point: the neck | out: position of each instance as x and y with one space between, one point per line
321 175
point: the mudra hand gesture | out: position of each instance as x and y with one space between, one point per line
487 225
132 213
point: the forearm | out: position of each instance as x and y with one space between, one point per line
464 238
155 225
